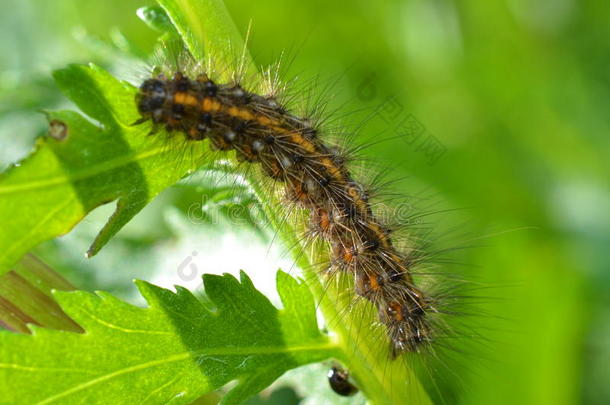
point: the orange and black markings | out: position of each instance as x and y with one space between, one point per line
314 176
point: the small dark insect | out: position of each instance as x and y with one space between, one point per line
338 379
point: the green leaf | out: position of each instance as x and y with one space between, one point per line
155 18
207 30
171 352
62 180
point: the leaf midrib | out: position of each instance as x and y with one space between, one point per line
233 351
90 171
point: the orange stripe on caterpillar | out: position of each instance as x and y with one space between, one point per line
315 178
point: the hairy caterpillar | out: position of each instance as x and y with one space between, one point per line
290 150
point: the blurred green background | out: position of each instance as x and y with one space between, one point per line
499 109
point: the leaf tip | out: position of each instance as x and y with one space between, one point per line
141 284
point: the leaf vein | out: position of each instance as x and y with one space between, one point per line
126 330
90 171
225 351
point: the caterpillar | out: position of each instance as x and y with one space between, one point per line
291 151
